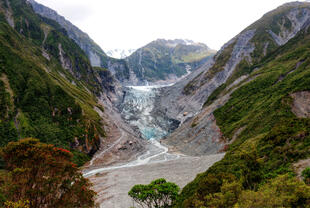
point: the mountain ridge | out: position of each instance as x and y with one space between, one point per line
97 56
126 70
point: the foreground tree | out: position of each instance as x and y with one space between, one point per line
157 194
44 176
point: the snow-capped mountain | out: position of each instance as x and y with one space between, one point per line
120 53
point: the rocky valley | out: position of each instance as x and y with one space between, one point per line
229 127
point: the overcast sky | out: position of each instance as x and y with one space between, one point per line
130 24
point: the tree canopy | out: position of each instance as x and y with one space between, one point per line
158 194
44 176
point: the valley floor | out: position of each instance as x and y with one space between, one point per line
125 159
112 186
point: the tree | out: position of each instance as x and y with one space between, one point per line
158 194
44 175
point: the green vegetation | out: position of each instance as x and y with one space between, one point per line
191 53
48 112
158 194
272 140
306 175
41 175
26 22
283 191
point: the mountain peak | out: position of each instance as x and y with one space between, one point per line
172 43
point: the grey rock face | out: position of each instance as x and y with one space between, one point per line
193 103
94 59
301 106
66 63
199 135
8 14
298 18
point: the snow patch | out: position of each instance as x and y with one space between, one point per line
120 53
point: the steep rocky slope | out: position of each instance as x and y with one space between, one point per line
230 66
96 55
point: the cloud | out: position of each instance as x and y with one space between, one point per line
77 13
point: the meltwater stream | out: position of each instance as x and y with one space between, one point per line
136 109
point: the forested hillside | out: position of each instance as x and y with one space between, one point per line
47 84
48 91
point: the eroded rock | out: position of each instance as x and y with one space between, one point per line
301 104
